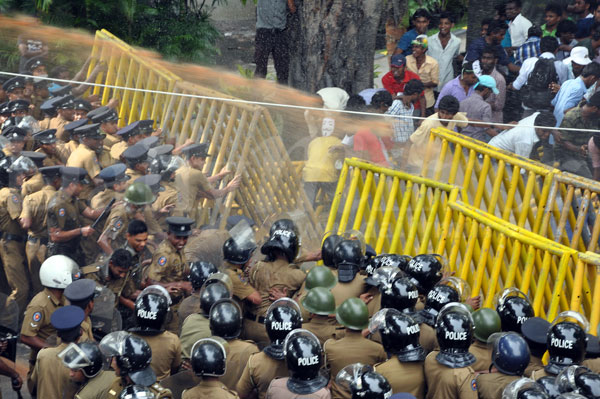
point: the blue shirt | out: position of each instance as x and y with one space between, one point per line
531 48
476 48
584 27
569 95
405 41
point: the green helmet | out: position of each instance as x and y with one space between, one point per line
320 276
353 314
486 322
139 193
319 300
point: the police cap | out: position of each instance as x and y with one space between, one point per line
67 318
59 91
153 181
146 126
114 173
535 330
65 102
36 157
592 348
4 109
90 131
74 174
159 150
50 171
18 105
14 83
49 106
196 150
180 226
136 154
47 136
82 105
149 142
14 133
33 63
107 115
129 131
70 127
80 290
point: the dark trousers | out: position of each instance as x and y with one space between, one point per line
272 41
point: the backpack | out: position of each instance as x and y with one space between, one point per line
538 95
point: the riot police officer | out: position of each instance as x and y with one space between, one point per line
425 271
237 252
81 293
209 361
486 322
362 382
282 318
320 303
510 357
85 361
199 273
514 308
578 379
400 338
347 258
304 359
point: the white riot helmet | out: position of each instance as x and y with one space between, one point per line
58 271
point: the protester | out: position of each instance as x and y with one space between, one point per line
420 20
572 91
478 110
426 67
522 138
444 47
552 16
518 25
461 86
531 47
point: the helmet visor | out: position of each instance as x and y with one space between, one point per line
461 286
23 165
565 380
351 373
221 278
455 307
284 302
113 344
299 332
378 322
512 390
74 358
356 235
385 276
157 289
572 317
243 235
508 293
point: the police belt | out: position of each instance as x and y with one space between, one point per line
34 240
14 237
253 317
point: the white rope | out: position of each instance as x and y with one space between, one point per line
267 104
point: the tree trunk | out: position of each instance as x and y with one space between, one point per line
332 43
477 11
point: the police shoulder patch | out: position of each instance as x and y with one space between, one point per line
474 384
61 212
15 198
37 317
118 224
162 260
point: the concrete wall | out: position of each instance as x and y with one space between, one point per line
235 11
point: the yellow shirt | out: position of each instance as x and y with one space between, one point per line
429 72
320 165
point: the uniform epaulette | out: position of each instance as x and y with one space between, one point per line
90 269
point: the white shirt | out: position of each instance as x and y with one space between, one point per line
518 28
444 56
520 139
561 70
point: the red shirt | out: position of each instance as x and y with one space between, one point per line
365 140
394 87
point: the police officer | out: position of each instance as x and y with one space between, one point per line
166 166
273 276
320 303
46 140
131 357
304 359
153 214
137 240
65 108
34 181
65 224
526 388
66 149
81 293
448 372
425 271
364 383
82 107
353 347
535 332
86 155
390 262
12 243
209 361
129 135
16 141
225 321
50 377
282 318
151 310
84 361
115 183
347 259
56 273
14 87
107 118
486 322
136 159
510 357
237 253
514 308
400 338
199 273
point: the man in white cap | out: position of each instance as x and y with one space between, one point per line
573 90
577 60
478 110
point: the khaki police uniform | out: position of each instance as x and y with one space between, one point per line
177 383
116 224
324 328
64 150
101 199
117 386
194 327
59 123
100 273
164 198
36 322
209 389
35 207
353 348
51 376
446 382
51 159
191 183
168 264
491 385
352 289
427 338
278 390
404 376
117 149
65 213
105 159
32 185
86 158
188 306
483 356
133 174
166 353
241 287
12 245
258 374
207 246
86 330
592 364
238 353
264 277
110 140
537 374
97 387
139 272
535 364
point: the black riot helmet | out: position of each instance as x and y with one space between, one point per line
132 354
425 271
393 260
437 298
209 358
588 384
199 273
304 358
328 248
567 380
236 253
211 293
282 317
136 392
524 388
566 341
399 334
401 295
454 332
514 308
286 241
549 384
225 319
371 385
150 313
347 258
84 356
284 224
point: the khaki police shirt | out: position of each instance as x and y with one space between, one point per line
482 354
277 274
241 287
324 328
35 206
166 353
51 376
238 353
119 286
352 289
535 363
446 382
209 389
101 199
110 140
278 390
116 224
59 123
117 149
51 159
133 174
65 213
191 183
64 150
86 158
105 159
11 205
117 386
258 374
353 348
97 387
168 265
428 338
404 376
86 330
164 198
36 322
32 185
592 364
188 306
194 327
207 246
491 385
